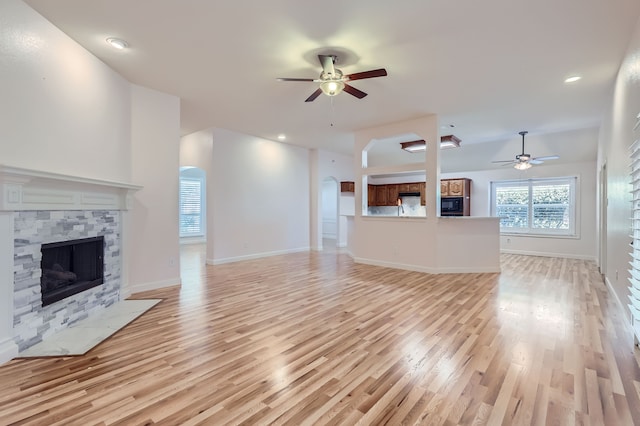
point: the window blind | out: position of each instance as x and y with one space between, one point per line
634 271
190 207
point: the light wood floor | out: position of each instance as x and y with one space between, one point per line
312 338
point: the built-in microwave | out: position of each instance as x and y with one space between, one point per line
451 206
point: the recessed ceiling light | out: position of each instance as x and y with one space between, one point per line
572 79
117 43
282 137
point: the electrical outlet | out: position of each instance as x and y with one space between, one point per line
508 240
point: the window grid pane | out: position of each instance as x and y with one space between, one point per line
512 206
551 206
537 206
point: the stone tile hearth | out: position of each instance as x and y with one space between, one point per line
84 335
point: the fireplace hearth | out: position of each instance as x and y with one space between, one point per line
71 267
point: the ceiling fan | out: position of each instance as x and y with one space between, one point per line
524 161
333 81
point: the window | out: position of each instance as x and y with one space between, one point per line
535 206
191 217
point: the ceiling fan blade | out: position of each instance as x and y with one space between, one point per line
505 161
535 161
314 95
353 91
327 64
366 74
548 157
294 79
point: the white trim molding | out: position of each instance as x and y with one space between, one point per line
25 189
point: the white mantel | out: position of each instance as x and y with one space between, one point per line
28 190
25 189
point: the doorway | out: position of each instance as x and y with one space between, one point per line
330 224
603 220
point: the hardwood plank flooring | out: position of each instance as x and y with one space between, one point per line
312 338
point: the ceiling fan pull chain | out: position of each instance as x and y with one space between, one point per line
331 112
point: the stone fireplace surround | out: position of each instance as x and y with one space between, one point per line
38 207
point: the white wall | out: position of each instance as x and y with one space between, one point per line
261 201
61 109
616 136
583 247
155 137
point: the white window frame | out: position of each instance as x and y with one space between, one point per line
574 201
201 231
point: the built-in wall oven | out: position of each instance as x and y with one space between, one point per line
451 206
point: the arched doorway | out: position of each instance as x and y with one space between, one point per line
330 224
192 224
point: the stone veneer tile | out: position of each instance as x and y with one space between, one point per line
32 322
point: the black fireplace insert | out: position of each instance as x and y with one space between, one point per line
70 267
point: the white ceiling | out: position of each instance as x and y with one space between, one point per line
491 68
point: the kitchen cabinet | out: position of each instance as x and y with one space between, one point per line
392 194
456 196
371 195
382 196
444 188
347 186
409 187
387 195
455 187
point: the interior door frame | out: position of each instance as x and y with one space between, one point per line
604 201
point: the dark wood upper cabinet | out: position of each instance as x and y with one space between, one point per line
347 186
381 195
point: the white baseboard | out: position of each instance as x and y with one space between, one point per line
428 270
139 288
425 269
255 256
546 254
192 240
626 314
395 265
8 350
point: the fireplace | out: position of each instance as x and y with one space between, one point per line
71 267
38 210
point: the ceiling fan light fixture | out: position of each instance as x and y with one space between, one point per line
414 146
332 87
523 165
449 141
